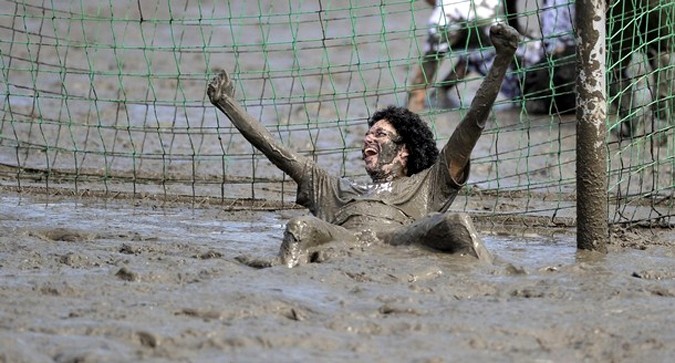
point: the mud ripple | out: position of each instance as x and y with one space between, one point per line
63 234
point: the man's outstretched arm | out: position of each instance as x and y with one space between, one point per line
221 94
458 149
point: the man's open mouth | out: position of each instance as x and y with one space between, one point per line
369 152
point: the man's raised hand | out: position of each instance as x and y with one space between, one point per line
504 38
220 87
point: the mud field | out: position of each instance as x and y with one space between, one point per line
122 281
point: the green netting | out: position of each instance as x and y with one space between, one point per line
110 96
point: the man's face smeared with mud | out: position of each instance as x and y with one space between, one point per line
383 152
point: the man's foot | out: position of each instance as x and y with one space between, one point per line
504 38
220 88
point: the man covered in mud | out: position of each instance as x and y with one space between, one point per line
412 185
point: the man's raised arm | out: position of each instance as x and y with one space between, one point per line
221 94
458 149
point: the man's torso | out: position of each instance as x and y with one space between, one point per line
377 206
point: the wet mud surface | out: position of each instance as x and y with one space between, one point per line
93 281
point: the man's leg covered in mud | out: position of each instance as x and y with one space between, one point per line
447 232
305 233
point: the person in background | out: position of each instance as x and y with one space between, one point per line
456 25
543 74
646 26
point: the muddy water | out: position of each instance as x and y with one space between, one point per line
85 280
90 281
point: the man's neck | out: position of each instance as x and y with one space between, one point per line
386 179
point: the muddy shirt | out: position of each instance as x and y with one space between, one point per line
378 206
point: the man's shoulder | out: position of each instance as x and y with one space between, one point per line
439 174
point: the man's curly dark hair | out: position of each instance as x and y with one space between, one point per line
414 133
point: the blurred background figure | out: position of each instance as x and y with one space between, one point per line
548 85
455 25
642 26
544 68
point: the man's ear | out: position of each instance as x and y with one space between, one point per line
403 153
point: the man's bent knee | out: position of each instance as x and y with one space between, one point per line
447 232
455 233
303 234
470 240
